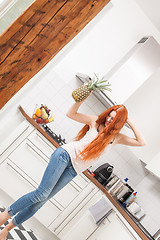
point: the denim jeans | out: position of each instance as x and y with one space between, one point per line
58 173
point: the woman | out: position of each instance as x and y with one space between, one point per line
71 159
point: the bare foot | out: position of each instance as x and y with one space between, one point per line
3 234
4 216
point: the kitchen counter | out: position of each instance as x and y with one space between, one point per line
136 225
129 218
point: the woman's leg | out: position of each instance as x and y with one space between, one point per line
28 212
57 164
4 216
5 231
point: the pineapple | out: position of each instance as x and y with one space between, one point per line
95 84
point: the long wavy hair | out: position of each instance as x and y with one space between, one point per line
96 147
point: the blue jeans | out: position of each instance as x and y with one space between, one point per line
58 173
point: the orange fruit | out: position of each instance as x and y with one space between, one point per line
34 116
38 112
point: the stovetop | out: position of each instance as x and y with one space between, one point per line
57 138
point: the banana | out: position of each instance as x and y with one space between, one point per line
51 118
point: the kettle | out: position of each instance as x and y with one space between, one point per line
103 172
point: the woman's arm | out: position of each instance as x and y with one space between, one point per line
137 141
80 117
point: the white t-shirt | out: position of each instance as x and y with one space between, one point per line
74 148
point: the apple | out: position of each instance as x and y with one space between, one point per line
45 120
39 120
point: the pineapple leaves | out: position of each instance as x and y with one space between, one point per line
97 84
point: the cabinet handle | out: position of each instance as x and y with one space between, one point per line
92 233
75 187
11 165
84 177
61 209
36 152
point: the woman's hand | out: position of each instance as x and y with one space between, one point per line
80 117
126 140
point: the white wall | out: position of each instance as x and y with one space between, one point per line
151 9
145 110
96 49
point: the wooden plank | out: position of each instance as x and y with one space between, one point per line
39 45
37 31
13 69
45 37
27 28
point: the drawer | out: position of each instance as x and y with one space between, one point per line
66 195
13 181
37 139
30 160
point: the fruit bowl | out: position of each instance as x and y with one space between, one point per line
42 115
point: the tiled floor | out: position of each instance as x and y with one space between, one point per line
20 232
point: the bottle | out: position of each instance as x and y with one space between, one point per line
125 196
131 199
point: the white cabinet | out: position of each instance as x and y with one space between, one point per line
29 159
13 180
113 228
23 163
67 220
41 143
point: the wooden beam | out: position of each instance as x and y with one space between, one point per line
37 36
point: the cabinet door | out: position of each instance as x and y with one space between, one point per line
70 192
40 142
16 183
65 221
30 160
101 229
82 229
13 181
82 225
115 229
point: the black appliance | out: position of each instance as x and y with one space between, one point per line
57 138
103 172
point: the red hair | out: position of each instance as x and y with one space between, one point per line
96 147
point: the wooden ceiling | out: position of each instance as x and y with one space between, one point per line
37 36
